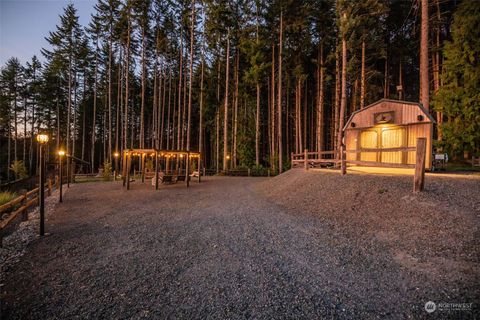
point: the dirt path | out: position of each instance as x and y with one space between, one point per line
218 250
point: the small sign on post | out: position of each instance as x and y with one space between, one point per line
419 178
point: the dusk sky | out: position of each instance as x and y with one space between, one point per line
24 24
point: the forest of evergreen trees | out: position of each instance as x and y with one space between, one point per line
250 79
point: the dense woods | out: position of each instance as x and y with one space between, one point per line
245 82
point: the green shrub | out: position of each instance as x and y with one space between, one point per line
19 169
7 196
107 171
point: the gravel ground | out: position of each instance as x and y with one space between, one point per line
293 246
20 234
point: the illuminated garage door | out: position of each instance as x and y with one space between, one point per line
368 139
392 138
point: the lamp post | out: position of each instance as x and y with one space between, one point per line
228 162
61 154
68 171
115 155
42 139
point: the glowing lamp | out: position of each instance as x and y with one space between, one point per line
116 154
61 153
228 157
42 138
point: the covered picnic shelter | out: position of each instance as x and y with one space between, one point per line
174 165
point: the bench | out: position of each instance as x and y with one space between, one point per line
167 179
181 178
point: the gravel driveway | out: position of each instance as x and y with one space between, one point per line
221 250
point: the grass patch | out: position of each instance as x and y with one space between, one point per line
7 196
461 166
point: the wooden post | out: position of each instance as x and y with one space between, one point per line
156 170
143 167
305 157
199 168
249 172
23 203
343 165
41 190
73 171
68 170
60 180
124 168
187 169
49 187
419 178
129 163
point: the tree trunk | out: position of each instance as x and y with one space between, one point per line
217 136
304 130
142 107
184 111
257 113
386 91
127 72
200 125
362 84
343 102
9 147
257 128
83 121
155 104
69 106
225 118
320 101
436 71
298 121
272 113
32 127
280 140
354 95
400 82
74 129
235 112
15 124
120 114
109 105
24 130
180 82
162 110
169 107
95 88
424 82
192 35
337 99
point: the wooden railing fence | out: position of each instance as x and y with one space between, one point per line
312 159
26 201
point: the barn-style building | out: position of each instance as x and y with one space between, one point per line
388 124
